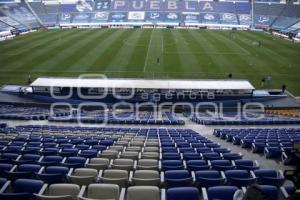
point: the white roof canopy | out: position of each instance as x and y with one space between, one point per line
143 83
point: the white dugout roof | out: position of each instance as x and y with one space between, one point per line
143 83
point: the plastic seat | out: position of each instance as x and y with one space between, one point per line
137 143
130 155
208 178
88 153
99 147
196 165
211 156
115 176
171 156
221 150
50 160
191 156
147 164
101 191
150 155
116 148
74 162
61 191
83 176
270 190
232 156
98 163
288 190
27 159
143 192
222 165
172 165
219 192
125 164
240 178
5 167
269 177
146 177
258 147
54 174
182 193
49 151
246 164
178 178
151 149
25 171
82 146
110 154
273 152
21 189
8 157
68 152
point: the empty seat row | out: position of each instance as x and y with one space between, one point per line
32 189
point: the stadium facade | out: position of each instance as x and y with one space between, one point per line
274 14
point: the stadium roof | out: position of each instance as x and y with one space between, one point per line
143 83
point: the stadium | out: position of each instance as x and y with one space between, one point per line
149 99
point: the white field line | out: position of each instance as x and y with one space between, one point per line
162 44
147 55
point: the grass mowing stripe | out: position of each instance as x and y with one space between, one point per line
19 41
147 53
124 53
79 50
96 50
136 59
171 62
41 55
58 54
237 62
25 60
267 61
192 60
111 48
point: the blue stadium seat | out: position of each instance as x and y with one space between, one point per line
240 178
8 157
212 156
54 174
49 151
246 164
270 190
178 178
5 167
196 165
269 177
74 162
191 156
27 159
22 189
222 164
182 193
23 171
88 153
172 165
171 156
219 192
208 178
68 152
50 160
232 156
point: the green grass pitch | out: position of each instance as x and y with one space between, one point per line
188 54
